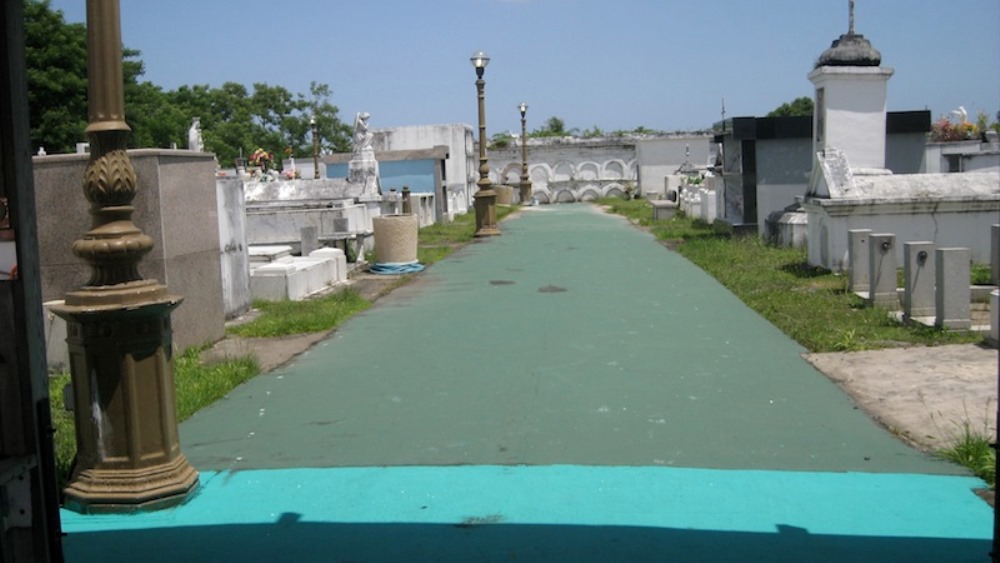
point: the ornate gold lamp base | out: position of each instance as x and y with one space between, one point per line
486 213
121 361
95 491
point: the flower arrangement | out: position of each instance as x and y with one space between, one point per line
291 174
261 159
944 131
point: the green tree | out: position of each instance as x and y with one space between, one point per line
234 121
800 106
238 122
56 57
501 141
593 132
553 127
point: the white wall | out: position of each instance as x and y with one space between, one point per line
569 170
974 156
661 157
946 223
461 167
853 112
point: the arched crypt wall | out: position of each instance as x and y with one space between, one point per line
569 171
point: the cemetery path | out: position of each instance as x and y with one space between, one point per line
568 391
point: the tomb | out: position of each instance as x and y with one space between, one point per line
946 209
766 162
850 186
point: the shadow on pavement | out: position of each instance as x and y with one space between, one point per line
289 539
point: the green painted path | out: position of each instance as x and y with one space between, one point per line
574 339
570 391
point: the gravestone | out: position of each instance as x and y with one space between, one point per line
310 240
857 260
882 267
952 293
918 279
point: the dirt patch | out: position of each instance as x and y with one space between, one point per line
925 395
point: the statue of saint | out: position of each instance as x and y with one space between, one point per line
362 137
194 136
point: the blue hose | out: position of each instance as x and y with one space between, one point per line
396 268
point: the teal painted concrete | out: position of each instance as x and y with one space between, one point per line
572 339
554 513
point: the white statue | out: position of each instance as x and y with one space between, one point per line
363 168
194 136
362 137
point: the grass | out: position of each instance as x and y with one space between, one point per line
436 242
283 318
65 429
981 274
197 385
971 444
809 304
973 449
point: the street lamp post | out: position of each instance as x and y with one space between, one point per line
312 123
525 180
486 196
118 324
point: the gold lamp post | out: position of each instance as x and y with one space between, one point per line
312 123
486 196
118 324
525 181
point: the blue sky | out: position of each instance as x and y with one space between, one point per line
661 64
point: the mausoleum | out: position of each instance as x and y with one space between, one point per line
850 186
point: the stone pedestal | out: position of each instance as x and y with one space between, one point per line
363 171
663 210
486 213
396 239
505 195
525 192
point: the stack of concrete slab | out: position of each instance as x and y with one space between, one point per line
276 275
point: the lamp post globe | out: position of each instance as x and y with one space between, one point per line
479 60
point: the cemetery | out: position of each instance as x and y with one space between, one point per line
561 345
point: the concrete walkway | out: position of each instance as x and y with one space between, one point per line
568 391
